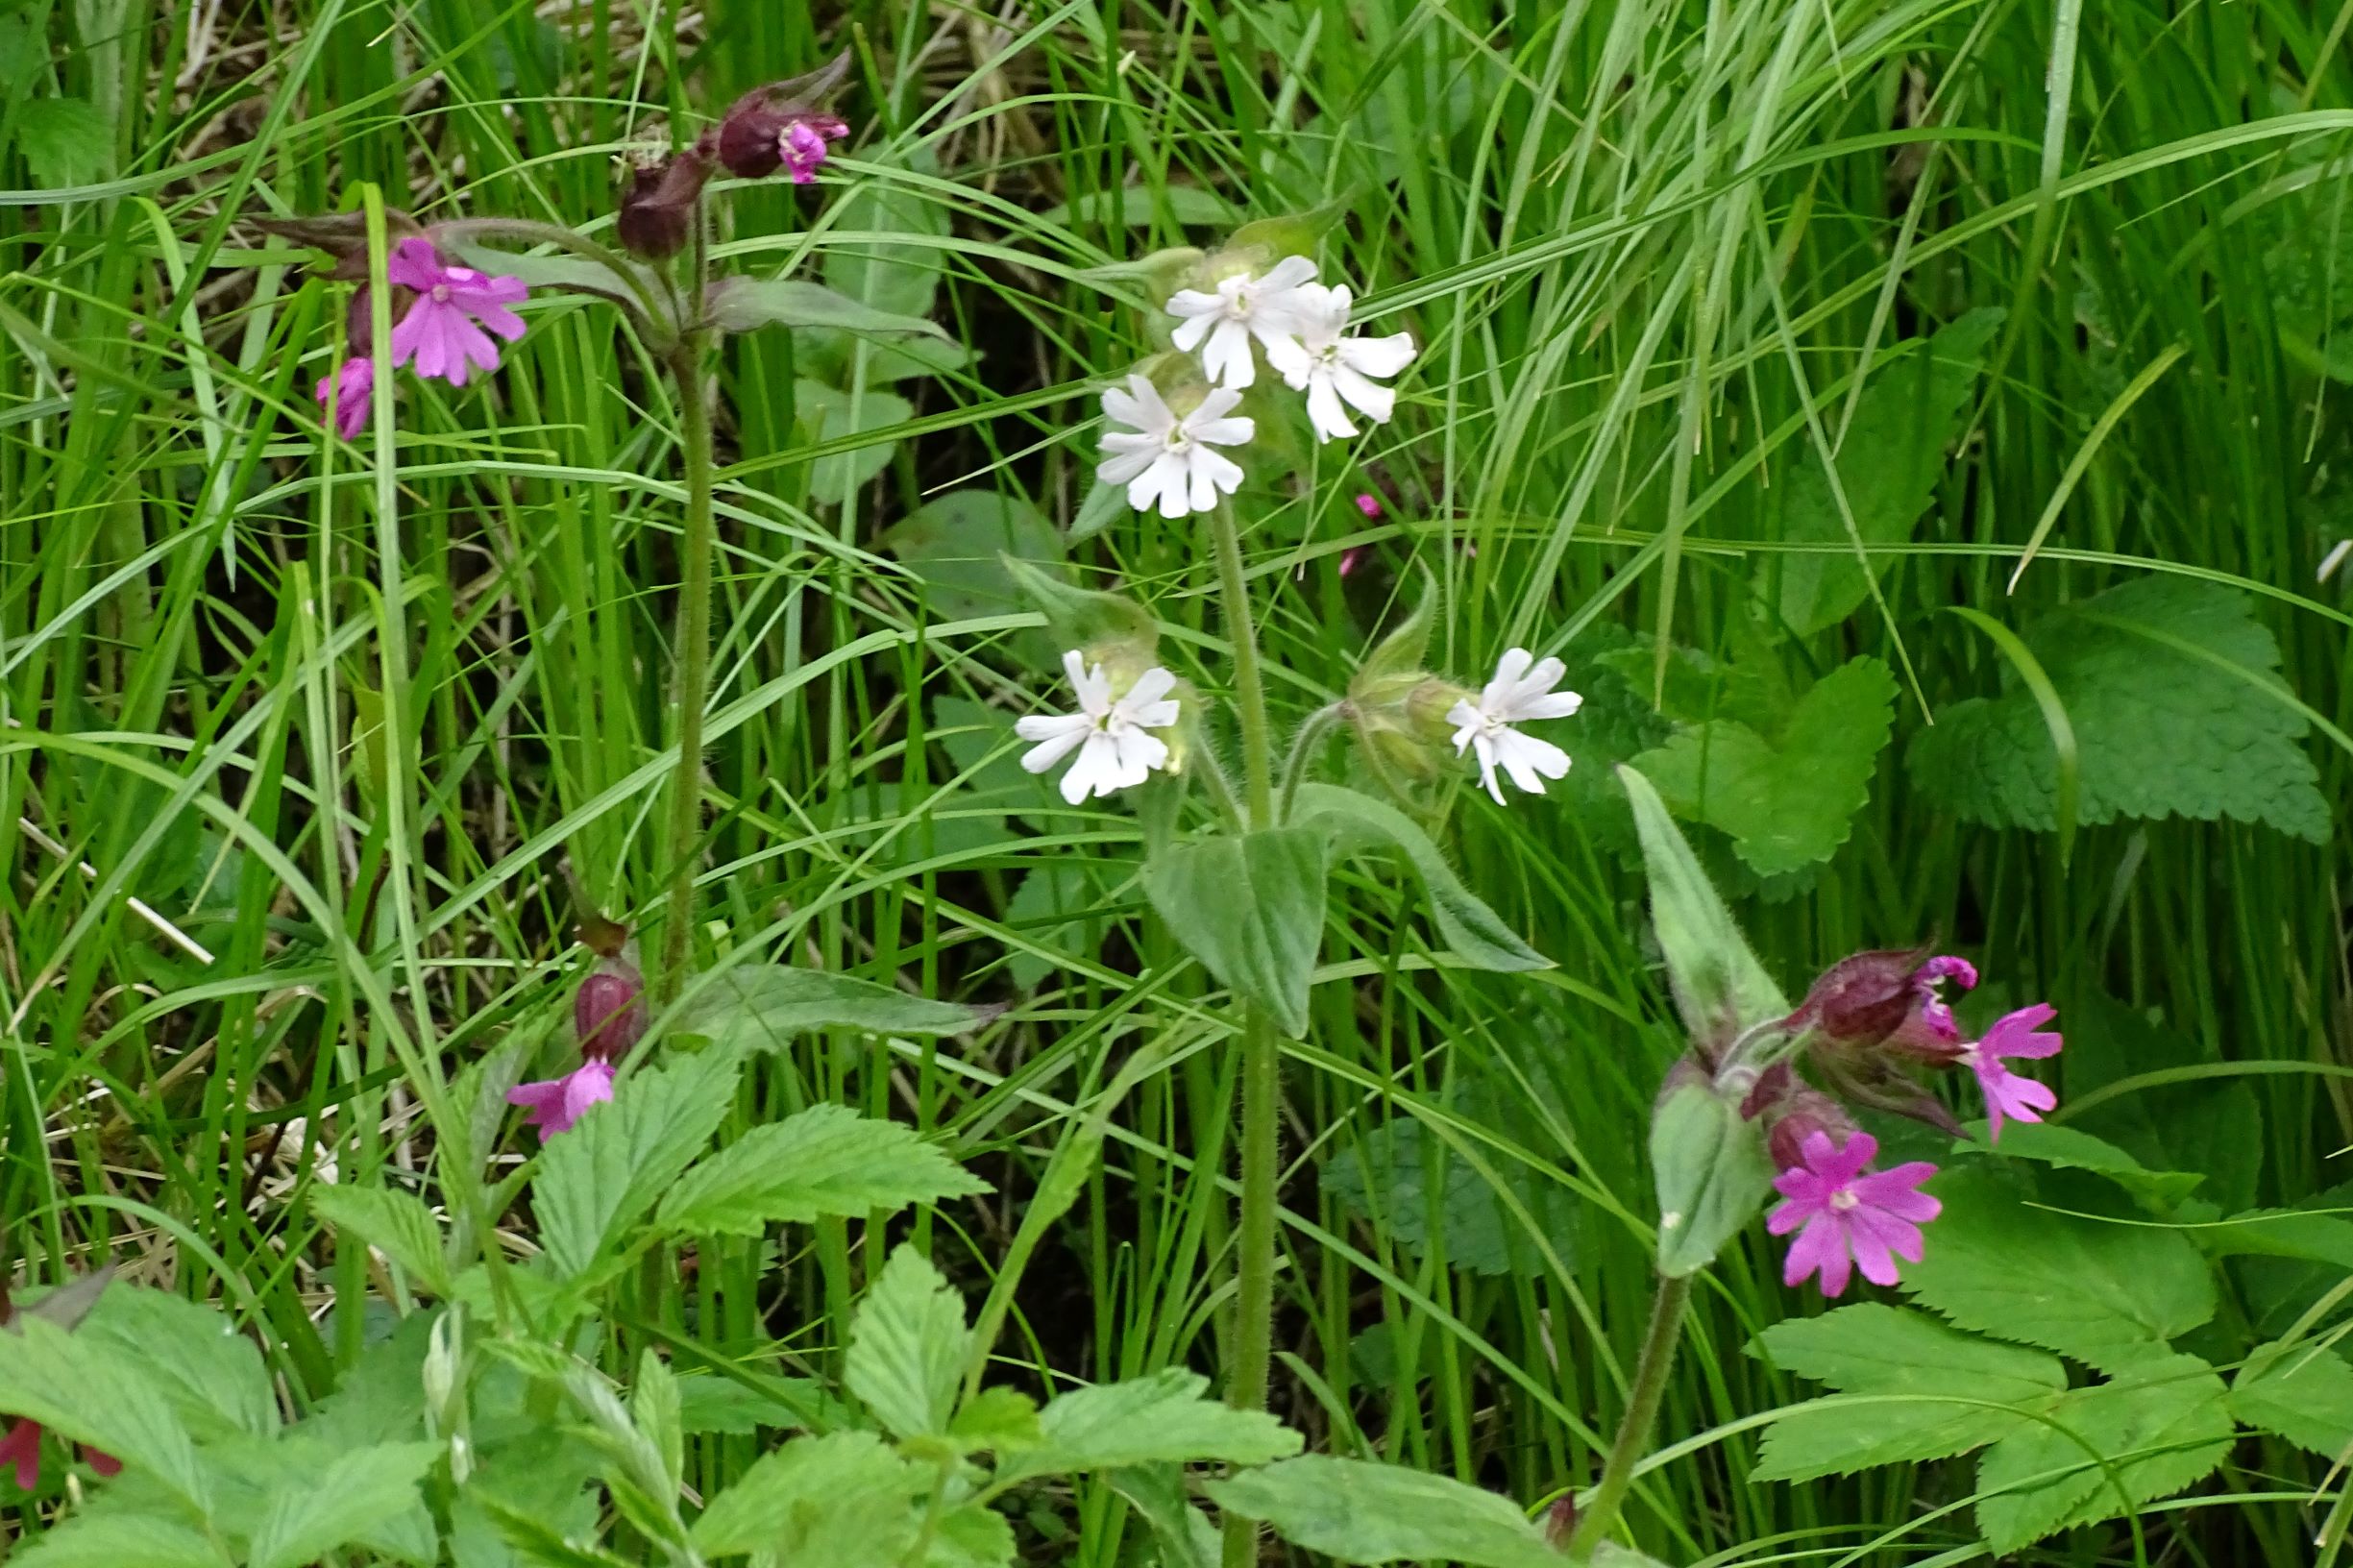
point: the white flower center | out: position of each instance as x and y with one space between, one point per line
441 293
1844 1199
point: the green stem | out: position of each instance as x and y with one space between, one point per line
1650 1387
696 549
1304 745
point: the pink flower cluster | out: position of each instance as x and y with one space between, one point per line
445 333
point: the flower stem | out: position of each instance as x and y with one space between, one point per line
1304 745
1650 1387
696 549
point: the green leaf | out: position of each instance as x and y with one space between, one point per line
561 272
841 1499
91 1392
1050 908
1888 465
1355 822
765 1006
1789 802
1002 1421
1385 1178
2106 1293
212 1375
397 1224
600 1178
971 1535
908 1347
654 1411
65 141
1166 1417
1946 1393
1712 1173
2300 1390
957 544
2173 690
1720 987
744 305
316 1511
827 1160
2213 1126
900 278
1374 1513
1137 207
2160 1426
1087 618
1251 908
1183 1532
827 414
2068 1148
107 1540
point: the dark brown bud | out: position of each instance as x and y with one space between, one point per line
784 122
609 1012
343 236
658 214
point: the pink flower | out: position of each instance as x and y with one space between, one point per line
349 391
2006 1093
1852 1217
1368 503
802 145
1349 559
21 1447
554 1104
444 332
1934 1010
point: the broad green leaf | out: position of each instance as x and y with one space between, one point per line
65 141
397 1224
654 1411
841 1499
2303 1391
1251 908
1088 619
2106 1293
1946 1393
899 277
313 1513
600 1178
713 1402
1002 1421
908 1347
192 1355
95 1393
742 305
103 1538
971 1535
1787 800
538 1543
2068 1148
2173 688
827 414
827 1160
957 546
1183 1532
1165 1417
1720 987
765 1006
1610 1555
1385 1178
573 274
1355 822
1373 1513
1888 465
1712 1173
2213 1126
2157 1427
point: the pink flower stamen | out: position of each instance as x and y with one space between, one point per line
1848 1216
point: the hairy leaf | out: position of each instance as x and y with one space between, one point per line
1712 1176
1720 987
65 141
397 1224
841 1498
600 1178
957 546
908 1346
1251 908
827 1160
1356 822
1165 1418
763 1006
742 305
313 1512
106 1538
2301 1391
95 1393
214 1376
827 414
1358 1512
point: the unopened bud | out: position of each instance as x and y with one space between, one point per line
783 125
658 214
608 1010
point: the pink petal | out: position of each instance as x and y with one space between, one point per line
1897 1191
22 1448
105 1464
1869 1244
414 264
1790 1216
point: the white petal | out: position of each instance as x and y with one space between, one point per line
1289 360
1552 705
1497 698
1382 357
1155 715
1140 752
1227 357
1094 690
1288 274
1535 684
1089 774
1157 419
1215 404
1122 407
1053 746
1200 479
1324 411
1126 465
1226 432
1189 332
1224 473
1467 722
1150 687
1192 304
1485 745
1148 492
1175 484
1524 758
1370 399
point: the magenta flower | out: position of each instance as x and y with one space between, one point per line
447 331
349 391
802 145
2006 1093
554 1104
1368 503
1935 1013
21 1448
609 1011
1852 1217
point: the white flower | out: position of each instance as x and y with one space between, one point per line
1168 460
1240 307
1516 694
1112 738
1333 369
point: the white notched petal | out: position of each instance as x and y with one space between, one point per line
1195 303
1324 411
1150 687
1124 466
1382 357
1223 472
1202 486
1092 688
1555 705
1095 771
1058 736
1530 761
1485 745
1226 357
1213 407
1289 360
1370 399
1187 333
1231 431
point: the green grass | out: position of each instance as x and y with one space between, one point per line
349 748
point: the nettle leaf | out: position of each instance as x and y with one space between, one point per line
1166 1417
600 1178
1385 1178
95 1393
1712 1172
744 305
827 414
765 1006
1356 822
908 1347
2300 1390
971 1535
98 1537
842 1498
397 1224
1788 802
65 141
1720 987
827 1160
311 1513
1937 1391
2158 1426
957 544
1888 465
1251 908
2172 689
2109 1294
1358 1512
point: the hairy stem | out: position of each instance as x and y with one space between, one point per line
696 546
1633 1436
1310 740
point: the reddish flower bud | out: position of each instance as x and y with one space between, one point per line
608 1011
657 215
782 125
1886 997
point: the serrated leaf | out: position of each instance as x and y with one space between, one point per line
744 305
1183 1532
600 1178
2158 1426
2109 1294
2173 692
1385 1176
654 1411
397 1224
95 1539
1473 932
2302 1391
841 1499
1888 465
827 414
1166 1417
2213 1126
1945 1392
908 1346
2068 1148
1712 1173
65 141
1251 908
214 1376
971 1535
1003 1421
1374 1513
314 1512
765 1006
1719 987
1789 802
827 1160
94 1393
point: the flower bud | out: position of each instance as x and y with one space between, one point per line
658 214
1888 997
782 125
608 1010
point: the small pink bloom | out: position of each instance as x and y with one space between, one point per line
444 332
1368 503
1935 1013
1350 559
21 1447
2006 1093
1852 1217
801 145
350 392
554 1104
